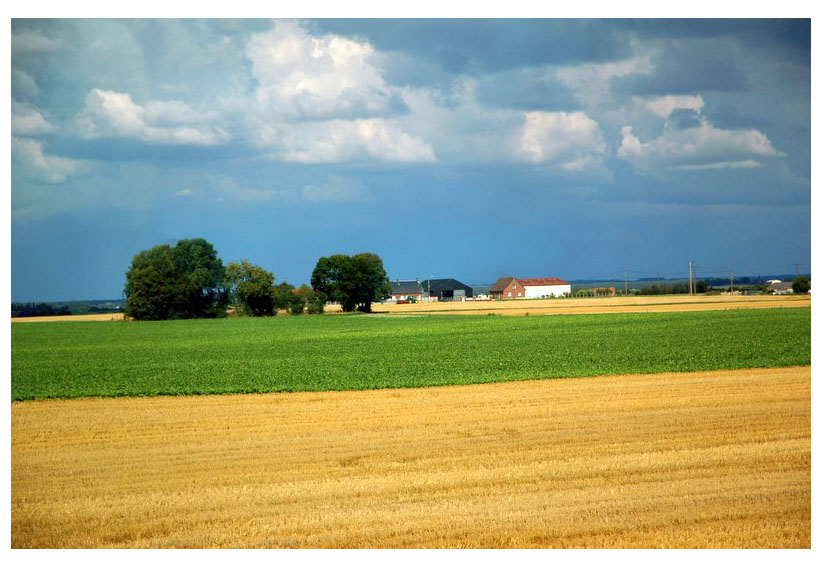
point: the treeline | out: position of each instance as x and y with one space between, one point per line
37 310
45 309
700 286
188 280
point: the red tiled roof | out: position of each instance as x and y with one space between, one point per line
541 281
500 284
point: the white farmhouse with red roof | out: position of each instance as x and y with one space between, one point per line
529 288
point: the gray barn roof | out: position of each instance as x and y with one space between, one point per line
449 284
410 287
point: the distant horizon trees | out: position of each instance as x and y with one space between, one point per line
32 309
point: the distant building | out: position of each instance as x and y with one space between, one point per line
405 289
507 288
777 287
446 289
529 288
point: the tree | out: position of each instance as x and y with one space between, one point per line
183 282
297 303
372 280
282 294
801 284
353 281
253 287
311 299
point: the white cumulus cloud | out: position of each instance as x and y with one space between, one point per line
115 114
28 121
29 155
352 140
23 85
303 76
323 99
702 147
570 140
665 105
25 42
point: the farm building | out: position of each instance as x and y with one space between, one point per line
446 289
529 288
406 289
507 288
778 287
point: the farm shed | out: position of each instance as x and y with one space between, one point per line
545 287
778 287
529 288
403 289
446 289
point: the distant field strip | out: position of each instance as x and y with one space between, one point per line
316 353
566 306
632 304
712 459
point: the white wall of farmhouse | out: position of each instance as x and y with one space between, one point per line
547 290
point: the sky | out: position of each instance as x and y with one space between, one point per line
458 148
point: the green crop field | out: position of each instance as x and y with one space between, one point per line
312 353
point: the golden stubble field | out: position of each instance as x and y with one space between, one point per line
635 304
710 459
563 306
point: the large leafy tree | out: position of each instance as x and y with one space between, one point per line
253 287
181 282
353 281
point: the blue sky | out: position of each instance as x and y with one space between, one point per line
456 148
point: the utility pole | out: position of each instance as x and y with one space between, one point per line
731 286
626 288
796 270
690 278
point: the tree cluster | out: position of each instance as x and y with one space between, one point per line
700 286
188 280
801 284
353 281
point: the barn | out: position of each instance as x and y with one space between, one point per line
446 289
529 288
545 287
406 289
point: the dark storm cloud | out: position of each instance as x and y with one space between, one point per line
525 89
712 55
474 46
686 66
789 33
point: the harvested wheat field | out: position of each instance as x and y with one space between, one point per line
710 459
86 317
561 306
570 306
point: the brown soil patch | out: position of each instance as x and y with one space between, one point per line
709 459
